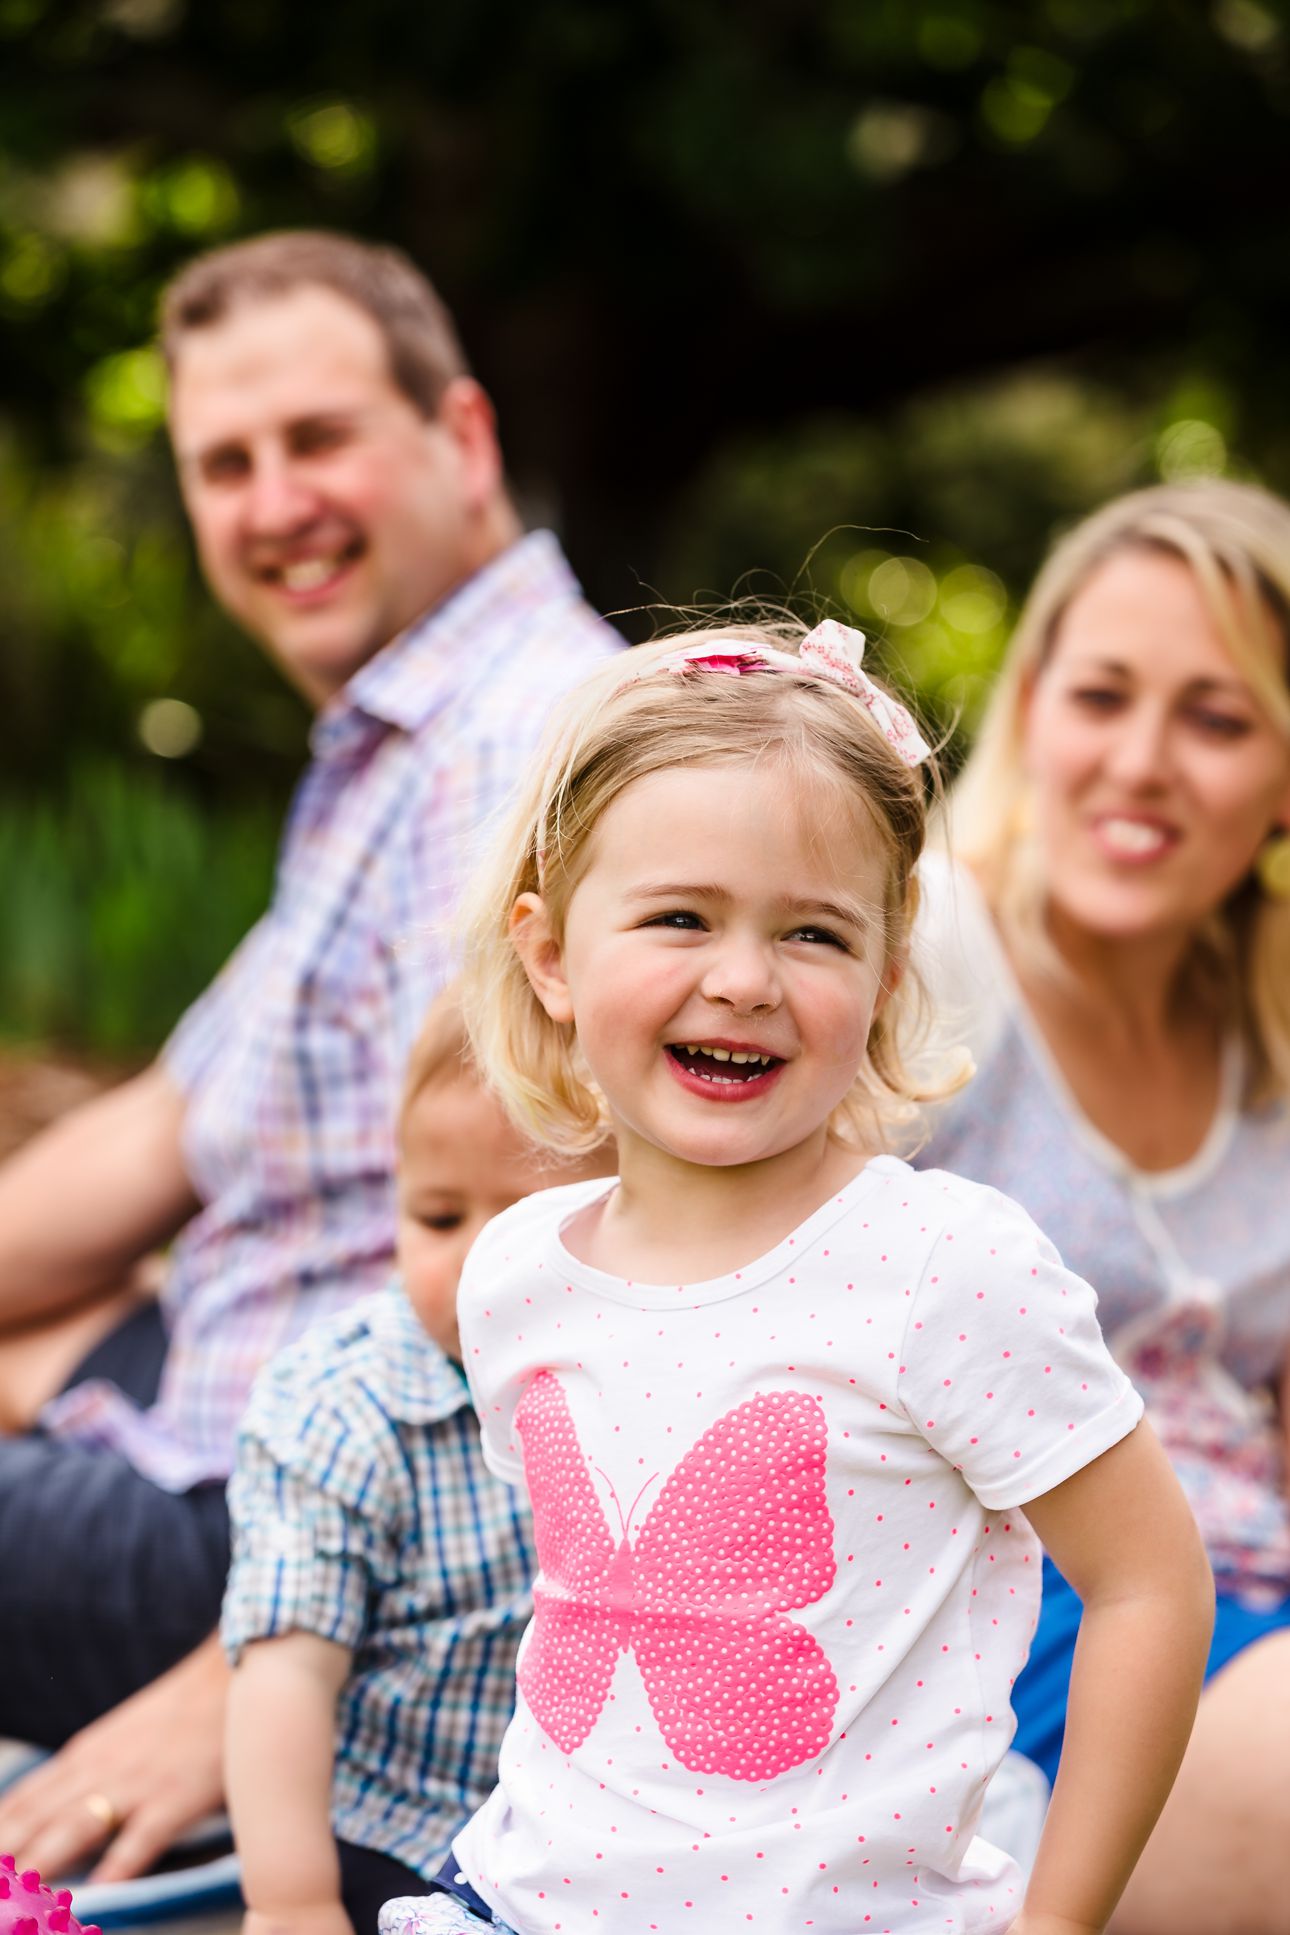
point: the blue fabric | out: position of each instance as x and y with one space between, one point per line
451 1881
88 1547
105 1581
363 1511
1039 1697
368 1879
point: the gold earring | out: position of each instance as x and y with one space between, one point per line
1273 865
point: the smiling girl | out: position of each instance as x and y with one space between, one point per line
789 1414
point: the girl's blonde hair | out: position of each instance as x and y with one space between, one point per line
1235 539
634 718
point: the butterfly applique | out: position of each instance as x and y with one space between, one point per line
739 1534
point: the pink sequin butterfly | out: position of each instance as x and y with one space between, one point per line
738 1534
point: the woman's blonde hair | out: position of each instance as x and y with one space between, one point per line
634 718
1235 539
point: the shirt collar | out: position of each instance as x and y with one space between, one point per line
420 1383
455 644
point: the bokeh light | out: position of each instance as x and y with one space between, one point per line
169 728
334 135
1192 448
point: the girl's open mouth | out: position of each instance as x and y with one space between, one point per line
727 1071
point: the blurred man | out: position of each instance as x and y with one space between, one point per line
342 473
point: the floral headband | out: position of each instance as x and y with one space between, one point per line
832 651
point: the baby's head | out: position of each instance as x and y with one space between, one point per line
815 744
460 1162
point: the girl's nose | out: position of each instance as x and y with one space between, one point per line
742 977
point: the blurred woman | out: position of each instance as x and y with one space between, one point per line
1113 937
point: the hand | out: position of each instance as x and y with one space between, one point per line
305 1918
135 1779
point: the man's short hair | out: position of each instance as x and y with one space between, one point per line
420 338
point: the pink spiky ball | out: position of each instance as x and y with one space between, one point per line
28 1907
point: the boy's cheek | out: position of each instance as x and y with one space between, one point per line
429 1270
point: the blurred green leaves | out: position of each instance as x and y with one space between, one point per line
845 303
334 136
126 393
120 899
196 196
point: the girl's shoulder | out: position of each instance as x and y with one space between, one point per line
939 1233
534 1220
963 1240
951 1207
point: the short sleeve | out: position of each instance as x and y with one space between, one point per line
480 1292
314 1524
1004 1369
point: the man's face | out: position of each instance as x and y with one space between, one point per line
328 512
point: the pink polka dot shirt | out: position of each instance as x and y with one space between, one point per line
784 1585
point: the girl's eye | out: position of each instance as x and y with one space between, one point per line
819 936
675 917
443 1225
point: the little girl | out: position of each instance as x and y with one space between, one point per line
380 1578
790 1415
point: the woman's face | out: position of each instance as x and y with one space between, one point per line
1156 776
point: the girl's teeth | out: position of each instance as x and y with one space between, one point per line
740 1056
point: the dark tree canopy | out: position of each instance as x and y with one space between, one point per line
846 300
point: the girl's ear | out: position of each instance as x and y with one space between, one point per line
540 956
893 974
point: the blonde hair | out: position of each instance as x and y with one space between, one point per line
1235 539
440 1054
635 718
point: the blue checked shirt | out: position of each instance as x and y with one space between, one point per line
292 1062
363 1512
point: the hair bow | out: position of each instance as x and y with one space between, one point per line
832 651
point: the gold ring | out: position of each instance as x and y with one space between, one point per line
103 1811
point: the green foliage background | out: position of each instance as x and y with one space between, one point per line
850 301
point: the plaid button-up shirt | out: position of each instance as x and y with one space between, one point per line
291 1063
363 1512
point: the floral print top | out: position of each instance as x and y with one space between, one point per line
1191 1265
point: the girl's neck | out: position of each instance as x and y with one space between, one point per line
679 1222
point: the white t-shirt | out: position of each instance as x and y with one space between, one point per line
784 1590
